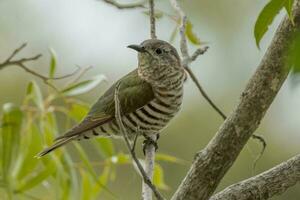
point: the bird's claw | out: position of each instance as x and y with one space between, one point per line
149 141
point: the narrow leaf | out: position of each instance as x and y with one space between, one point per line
158 177
34 146
168 158
288 7
33 92
86 185
36 178
53 61
192 37
89 167
103 178
10 137
84 86
293 56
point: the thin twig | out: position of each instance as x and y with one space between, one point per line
131 150
195 80
152 20
21 63
118 5
16 51
262 141
81 72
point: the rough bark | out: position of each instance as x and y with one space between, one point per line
211 164
265 185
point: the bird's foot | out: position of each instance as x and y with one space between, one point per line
149 141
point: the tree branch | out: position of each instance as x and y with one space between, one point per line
21 63
152 20
149 168
123 130
212 163
265 185
149 148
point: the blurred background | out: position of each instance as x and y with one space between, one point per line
93 33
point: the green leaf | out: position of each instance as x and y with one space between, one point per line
293 55
48 126
29 89
103 178
27 163
267 16
192 37
36 178
10 137
168 158
158 177
72 179
84 86
78 111
34 92
53 61
105 146
86 185
89 167
288 7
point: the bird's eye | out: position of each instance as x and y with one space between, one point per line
158 51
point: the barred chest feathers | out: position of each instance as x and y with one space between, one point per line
152 117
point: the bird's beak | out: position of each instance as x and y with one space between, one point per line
137 48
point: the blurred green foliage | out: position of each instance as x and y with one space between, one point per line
294 54
27 128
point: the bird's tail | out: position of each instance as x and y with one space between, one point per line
56 145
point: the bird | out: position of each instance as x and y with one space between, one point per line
150 96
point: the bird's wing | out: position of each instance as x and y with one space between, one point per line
134 93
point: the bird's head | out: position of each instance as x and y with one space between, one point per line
156 59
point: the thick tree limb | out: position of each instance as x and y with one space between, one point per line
212 163
265 185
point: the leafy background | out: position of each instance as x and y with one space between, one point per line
84 33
